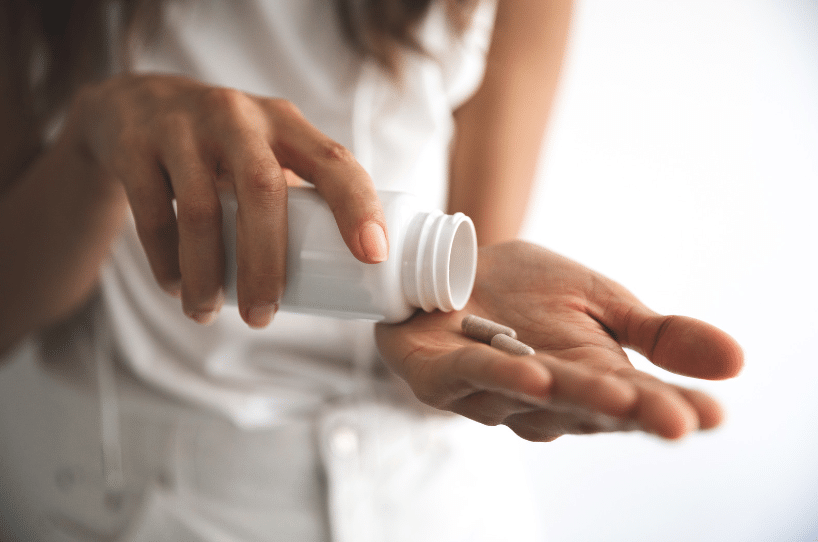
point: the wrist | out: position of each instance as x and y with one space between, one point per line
72 146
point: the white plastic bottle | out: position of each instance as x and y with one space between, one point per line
431 265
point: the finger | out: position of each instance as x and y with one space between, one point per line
678 344
489 408
709 411
689 347
261 227
441 380
201 250
486 368
576 385
291 177
151 201
338 178
544 425
664 409
664 412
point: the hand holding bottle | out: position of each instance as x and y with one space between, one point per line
168 138
580 379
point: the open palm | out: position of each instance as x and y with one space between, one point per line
580 380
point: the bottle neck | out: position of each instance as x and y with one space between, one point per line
439 261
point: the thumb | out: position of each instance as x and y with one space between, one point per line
678 344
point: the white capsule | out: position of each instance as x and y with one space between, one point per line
510 345
483 330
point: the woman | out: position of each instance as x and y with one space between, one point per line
152 426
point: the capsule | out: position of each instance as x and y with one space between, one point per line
483 330
511 345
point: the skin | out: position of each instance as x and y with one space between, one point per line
500 129
140 141
580 380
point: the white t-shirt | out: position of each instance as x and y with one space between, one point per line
400 133
230 433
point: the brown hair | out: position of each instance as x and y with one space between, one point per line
383 29
57 45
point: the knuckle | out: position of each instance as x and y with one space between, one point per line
335 153
129 141
223 98
229 108
265 182
659 334
175 123
285 108
260 177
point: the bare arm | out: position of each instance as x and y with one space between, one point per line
58 216
56 224
159 139
500 129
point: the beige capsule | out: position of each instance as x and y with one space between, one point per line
511 345
482 329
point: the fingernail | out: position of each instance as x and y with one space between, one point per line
260 316
373 241
205 317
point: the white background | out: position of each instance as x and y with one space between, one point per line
682 161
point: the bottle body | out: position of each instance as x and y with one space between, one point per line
324 278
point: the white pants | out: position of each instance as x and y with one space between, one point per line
361 470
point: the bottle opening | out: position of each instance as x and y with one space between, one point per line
440 261
462 263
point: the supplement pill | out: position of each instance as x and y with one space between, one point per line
482 329
510 345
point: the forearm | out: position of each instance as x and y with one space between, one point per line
500 129
56 223
492 173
